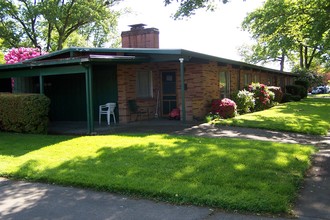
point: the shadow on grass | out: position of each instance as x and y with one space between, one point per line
16 145
228 173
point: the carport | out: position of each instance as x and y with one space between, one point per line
69 81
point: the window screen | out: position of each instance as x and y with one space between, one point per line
144 84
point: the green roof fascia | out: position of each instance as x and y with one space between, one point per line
59 67
42 63
108 50
55 70
180 53
233 62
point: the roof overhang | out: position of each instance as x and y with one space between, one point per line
82 56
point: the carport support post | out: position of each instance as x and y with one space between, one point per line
183 103
41 84
89 100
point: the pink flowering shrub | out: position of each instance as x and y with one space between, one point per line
16 55
225 108
263 97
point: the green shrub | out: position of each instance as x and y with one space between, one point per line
245 101
296 90
278 93
287 97
303 83
296 98
313 78
24 113
210 117
263 97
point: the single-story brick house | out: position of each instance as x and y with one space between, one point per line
78 80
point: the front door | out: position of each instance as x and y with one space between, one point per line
168 92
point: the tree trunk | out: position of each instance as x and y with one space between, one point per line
49 36
306 57
301 56
309 63
282 62
60 43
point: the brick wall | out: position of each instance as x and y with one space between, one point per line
201 79
126 77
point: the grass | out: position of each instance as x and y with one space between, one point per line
309 116
232 174
320 96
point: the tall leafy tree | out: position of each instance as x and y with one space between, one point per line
188 7
297 30
52 24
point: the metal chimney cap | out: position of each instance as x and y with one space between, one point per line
137 26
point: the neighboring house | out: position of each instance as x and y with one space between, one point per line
78 80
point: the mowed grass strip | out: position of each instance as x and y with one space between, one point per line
231 174
309 116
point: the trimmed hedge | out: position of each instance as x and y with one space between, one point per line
24 113
303 83
288 97
296 90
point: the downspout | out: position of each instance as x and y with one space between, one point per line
89 99
183 103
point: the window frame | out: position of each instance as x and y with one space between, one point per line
144 84
224 93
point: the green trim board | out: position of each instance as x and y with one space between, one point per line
80 55
60 70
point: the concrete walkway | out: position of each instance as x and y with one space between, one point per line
23 200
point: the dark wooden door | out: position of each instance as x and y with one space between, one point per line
168 92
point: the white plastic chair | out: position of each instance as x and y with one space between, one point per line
107 109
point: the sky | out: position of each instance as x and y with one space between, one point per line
215 33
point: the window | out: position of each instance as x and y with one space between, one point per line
256 78
270 81
144 85
246 79
224 84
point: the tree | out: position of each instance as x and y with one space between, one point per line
2 58
51 24
297 30
188 7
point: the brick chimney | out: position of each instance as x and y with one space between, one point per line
140 37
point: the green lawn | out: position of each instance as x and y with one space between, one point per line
309 116
232 174
320 96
